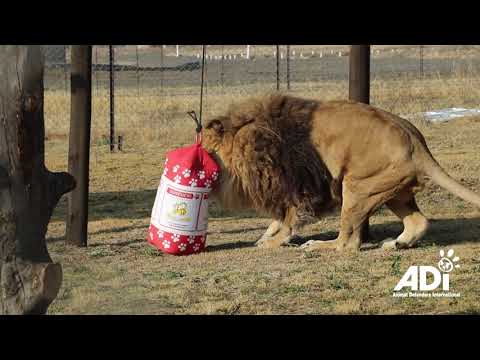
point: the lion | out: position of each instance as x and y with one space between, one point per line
296 159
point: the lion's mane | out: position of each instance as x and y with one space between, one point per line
272 164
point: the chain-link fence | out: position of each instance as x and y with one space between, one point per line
411 80
155 85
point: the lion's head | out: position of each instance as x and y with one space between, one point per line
213 135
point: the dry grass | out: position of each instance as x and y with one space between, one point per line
152 117
430 51
120 274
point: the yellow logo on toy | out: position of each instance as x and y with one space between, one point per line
180 209
179 213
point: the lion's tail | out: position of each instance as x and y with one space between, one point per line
435 172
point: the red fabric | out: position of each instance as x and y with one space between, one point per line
192 167
175 244
191 163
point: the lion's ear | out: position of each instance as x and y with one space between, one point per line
216 125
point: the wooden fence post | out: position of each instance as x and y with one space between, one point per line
359 89
359 79
79 147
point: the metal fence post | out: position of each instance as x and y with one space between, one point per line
288 67
162 64
112 98
137 69
94 69
65 70
278 67
222 70
421 61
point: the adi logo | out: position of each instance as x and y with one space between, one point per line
421 281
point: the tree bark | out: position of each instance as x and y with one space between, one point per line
29 281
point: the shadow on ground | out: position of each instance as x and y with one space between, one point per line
114 205
230 246
132 205
441 232
115 230
138 205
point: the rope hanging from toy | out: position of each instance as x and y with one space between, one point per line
193 115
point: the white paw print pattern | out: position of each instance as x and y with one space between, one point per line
191 239
202 239
196 247
215 176
193 182
176 238
177 179
151 235
186 173
201 174
160 234
175 168
165 171
208 183
182 247
166 244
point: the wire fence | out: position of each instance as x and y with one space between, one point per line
157 84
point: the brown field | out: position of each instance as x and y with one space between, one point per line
119 273
268 50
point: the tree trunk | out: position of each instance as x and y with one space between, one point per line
29 281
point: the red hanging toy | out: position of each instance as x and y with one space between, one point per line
179 219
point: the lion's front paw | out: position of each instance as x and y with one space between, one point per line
275 242
265 237
389 244
268 243
260 241
323 245
395 244
311 245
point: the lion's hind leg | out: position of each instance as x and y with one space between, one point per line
360 199
415 223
